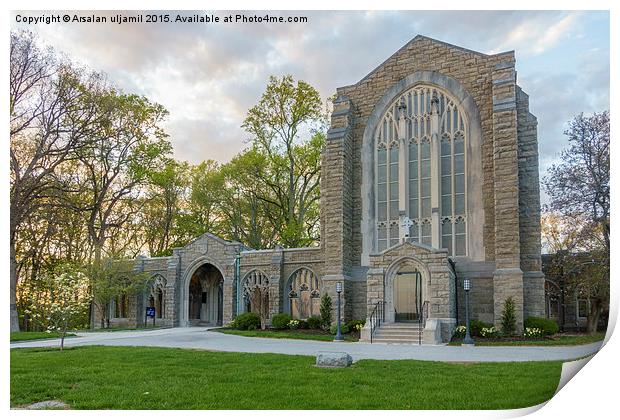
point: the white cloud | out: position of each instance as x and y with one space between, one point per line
207 76
535 36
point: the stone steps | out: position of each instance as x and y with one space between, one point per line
411 341
398 333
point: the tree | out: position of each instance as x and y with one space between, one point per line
207 185
66 300
579 193
245 216
109 280
326 311
52 115
163 217
560 234
509 317
128 147
291 168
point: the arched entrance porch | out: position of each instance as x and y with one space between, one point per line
405 285
203 298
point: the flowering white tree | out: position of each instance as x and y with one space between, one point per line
68 296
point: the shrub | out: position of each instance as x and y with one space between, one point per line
476 326
314 322
509 317
303 324
459 332
548 326
355 324
343 329
246 321
326 311
533 333
293 324
489 332
280 321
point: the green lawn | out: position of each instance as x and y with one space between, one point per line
559 340
35 335
158 378
295 334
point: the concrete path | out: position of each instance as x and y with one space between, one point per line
202 338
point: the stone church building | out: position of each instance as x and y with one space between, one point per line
429 176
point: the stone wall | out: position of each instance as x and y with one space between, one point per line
529 209
481 294
508 277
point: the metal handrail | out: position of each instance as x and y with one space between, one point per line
376 317
422 321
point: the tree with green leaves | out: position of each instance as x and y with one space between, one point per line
207 185
163 214
286 127
109 280
65 301
129 146
245 217
509 317
326 311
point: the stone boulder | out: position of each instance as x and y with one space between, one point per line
333 359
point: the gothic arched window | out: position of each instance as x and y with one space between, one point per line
304 294
158 295
255 286
421 171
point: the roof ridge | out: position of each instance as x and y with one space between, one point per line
424 37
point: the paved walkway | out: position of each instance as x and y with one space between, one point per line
202 338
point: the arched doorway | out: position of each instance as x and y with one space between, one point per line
204 298
406 286
407 295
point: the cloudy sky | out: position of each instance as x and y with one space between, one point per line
208 75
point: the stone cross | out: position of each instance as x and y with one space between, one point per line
406 224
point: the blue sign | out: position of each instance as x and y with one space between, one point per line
150 311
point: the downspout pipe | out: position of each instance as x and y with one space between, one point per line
237 284
456 288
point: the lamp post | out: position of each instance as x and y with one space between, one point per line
338 333
467 341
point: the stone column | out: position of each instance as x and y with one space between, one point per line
435 174
508 277
403 170
374 293
337 199
173 306
529 210
275 280
138 312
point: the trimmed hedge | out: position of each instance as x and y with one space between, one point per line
246 321
352 323
314 322
476 327
343 329
280 321
548 326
